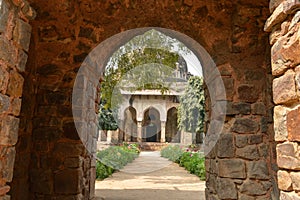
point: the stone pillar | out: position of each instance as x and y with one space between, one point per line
109 136
139 131
284 28
15 33
163 132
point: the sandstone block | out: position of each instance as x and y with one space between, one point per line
22 60
238 108
9 128
42 181
280 128
295 176
4 190
15 85
4 12
16 106
247 93
245 125
241 140
249 152
8 167
255 139
251 187
4 103
225 146
288 195
284 180
22 34
288 162
258 170
226 188
6 53
232 168
258 108
287 149
4 76
284 89
293 125
229 87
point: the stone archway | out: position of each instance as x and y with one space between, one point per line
172 134
151 125
64 33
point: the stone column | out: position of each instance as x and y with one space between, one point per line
139 131
163 132
283 26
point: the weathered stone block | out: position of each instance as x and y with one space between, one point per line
9 128
4 190
245 125
258 170
22 60
280 128
15 85
232 168
258 108
4 103
4 12
4 76
16 106
8 167
22 34
6 52
287 156
295 176
255 139
229 87
251 187
247 93
284 89
241 140
226 188
63 179
246 197
225 146
284 180
287 149
238 108
249 152
288 195
293 125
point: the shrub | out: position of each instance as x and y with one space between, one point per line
190 158
114 158
173 153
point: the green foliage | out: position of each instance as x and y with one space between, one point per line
190 158
142 78
115 158
106 118
173 153
191 111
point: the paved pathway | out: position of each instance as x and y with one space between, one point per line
151 177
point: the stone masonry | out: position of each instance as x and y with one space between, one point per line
15 35
41 155
284 28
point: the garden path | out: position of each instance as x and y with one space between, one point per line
151 177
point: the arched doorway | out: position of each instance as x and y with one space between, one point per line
172 133
130 125
151 125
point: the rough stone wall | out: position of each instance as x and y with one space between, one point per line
284 28
64 32
15 35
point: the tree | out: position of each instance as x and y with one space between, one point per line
191 111
152 48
